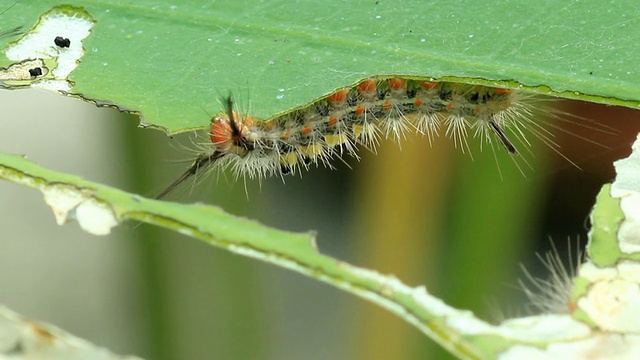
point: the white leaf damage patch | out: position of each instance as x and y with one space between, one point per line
627 188
601 346
68 202
70 24
613 298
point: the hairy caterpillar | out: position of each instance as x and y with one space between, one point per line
361 115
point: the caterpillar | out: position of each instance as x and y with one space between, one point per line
361 115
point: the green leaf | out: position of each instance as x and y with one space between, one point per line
170 63
97 208
607 216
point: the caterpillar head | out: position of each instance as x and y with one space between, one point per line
229 133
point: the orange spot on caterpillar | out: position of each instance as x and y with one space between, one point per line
396 83
306 130
428 85
269 125
360 110
502 91
418 102
332 121
367 86
338 96
220 133
386 105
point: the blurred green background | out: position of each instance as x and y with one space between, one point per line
427 214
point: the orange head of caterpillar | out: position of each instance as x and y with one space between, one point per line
229 133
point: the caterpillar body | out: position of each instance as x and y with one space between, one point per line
360 115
